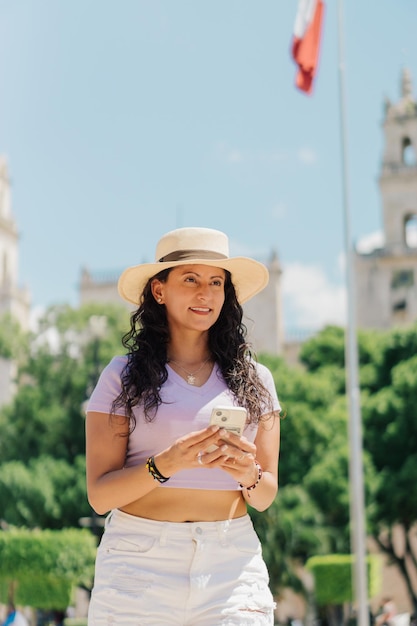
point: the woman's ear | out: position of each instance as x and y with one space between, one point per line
156 288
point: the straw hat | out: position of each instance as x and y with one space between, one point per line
197 246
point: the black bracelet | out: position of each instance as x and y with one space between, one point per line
154 471
259 468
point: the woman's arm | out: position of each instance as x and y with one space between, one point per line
109 484
267 454
241 461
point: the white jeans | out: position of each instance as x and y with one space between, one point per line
180 574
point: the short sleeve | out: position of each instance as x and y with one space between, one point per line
269 383
108 387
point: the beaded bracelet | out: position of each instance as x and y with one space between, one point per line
257 480
154 471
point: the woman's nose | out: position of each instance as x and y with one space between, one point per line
203 291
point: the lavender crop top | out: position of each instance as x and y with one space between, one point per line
184 409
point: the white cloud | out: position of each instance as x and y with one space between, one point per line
279 211
310 299
233 155
368 243
375 240
307 156
237 156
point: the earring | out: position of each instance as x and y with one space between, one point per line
159 300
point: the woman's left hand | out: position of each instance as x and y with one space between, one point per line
237 458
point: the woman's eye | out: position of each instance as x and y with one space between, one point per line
218 283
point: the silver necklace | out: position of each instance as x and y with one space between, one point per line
191 376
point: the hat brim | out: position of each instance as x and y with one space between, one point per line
249 277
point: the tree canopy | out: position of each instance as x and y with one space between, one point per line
42 462
42 447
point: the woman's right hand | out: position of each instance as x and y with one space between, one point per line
184 452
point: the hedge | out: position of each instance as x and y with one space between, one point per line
43 566
332 575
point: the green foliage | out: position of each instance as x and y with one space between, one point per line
328 347
314 416
13 341
304 521
391 429
46 492
326 483
290 531
310 429
333 577
45 565
315 445
64 362
44 591
399 345
42 470
42 444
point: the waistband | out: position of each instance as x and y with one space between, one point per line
121 521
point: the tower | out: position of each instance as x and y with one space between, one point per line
386 277
263 314
13 299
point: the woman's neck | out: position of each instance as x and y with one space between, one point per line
188 352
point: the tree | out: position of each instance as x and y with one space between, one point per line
325 348
43 442
302 521
291 530
42 481
45 492
13 341
388 379
391 439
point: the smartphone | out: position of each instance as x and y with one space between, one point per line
231 418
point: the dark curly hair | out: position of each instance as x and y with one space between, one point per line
146 343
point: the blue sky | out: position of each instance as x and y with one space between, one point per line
123 120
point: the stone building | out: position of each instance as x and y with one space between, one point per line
386 277
13 299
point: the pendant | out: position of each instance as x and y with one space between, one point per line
191 379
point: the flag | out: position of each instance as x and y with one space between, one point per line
306 42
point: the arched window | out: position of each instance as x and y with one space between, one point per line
410 231
408 153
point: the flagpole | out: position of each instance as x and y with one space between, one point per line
357 498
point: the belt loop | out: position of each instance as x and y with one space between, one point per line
108 519
163 536
222 528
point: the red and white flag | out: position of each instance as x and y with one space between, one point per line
306 42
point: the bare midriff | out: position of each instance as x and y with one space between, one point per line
188 505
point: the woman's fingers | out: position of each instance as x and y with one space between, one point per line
240 446
207 435
214 447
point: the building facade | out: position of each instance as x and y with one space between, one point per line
14 300
386 277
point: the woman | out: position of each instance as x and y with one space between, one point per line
179 547
14 617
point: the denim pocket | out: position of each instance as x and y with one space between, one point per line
248 543
126 547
